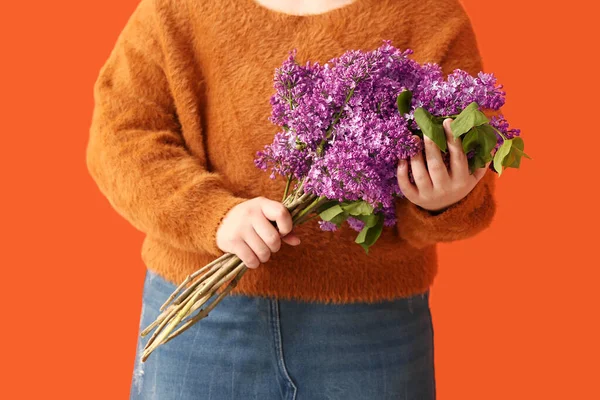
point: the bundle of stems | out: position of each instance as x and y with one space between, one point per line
215 280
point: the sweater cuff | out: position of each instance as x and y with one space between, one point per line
470 215
207 224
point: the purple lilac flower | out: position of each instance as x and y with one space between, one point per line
327 226
389 215
355 224
500 123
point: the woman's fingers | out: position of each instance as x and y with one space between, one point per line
459 165
420 174
409 190
275 211
291 238
435 163
261 242
258 245
245 253
267 232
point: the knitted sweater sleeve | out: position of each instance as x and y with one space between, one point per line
473 213
136 151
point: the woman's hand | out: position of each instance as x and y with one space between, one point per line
435 187
247 231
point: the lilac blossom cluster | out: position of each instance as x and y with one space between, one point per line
341 129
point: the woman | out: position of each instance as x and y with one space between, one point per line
181 109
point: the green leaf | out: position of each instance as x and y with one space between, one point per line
369 220
527 156
476 163
501 155
331 212
359 207
483 140
403 102
432 129
362 235
488 139
470 141
518 143
467 119
369 235
511 158
516 153
340 218
325 206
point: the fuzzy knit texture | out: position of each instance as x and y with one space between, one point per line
181 108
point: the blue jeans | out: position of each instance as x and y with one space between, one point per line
265 349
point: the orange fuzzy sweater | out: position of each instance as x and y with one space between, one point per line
181 109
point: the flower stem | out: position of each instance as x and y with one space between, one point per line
503 137
308 209
190 277
204 313
300 222
287 187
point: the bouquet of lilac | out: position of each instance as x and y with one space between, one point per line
345 124
344 127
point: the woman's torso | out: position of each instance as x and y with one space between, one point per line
224 108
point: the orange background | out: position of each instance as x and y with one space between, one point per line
515 309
